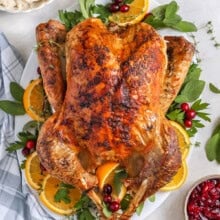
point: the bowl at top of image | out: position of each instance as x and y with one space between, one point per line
22 6
203 199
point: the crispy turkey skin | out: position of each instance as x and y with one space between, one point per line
114 109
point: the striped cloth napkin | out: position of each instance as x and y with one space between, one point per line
17 201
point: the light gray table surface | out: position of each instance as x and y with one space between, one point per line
20 31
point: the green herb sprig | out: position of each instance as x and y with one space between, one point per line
213 88
166 16
210 31
29 132
14 107
62 193
88 8
82 208
212 147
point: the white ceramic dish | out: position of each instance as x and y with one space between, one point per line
197 183
32 7
30 73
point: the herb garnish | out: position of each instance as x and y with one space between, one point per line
117 181
88 8
213 88
62 193
213 146
140 208
82 208
210 31
166 16
14 107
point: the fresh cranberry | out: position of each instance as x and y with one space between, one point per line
114 206
188 123
107 199
25 151
124 8
118 1
114 7
190 114
107 189
184 106
30 144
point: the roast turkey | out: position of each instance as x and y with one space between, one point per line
119 84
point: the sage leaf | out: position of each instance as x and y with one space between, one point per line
185 26
12 108
171 9
17 91
211 146
191 91
213 88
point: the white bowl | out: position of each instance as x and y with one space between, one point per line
203 179
31 7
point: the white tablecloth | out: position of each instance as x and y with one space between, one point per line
20 31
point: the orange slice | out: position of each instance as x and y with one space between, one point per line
34 174
34 100
105 174
178 179
137 11
47 196
183 138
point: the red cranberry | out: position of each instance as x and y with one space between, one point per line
114 7
30 144
107 199
184 106
124 8
118 1
188 123
114 206
25 151
107 189
190 114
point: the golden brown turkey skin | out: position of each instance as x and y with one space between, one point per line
51 37
113 111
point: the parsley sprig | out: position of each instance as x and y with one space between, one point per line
62 193
82 208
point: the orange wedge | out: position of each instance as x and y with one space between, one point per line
34 100
34 174
137 10
105 174
49 189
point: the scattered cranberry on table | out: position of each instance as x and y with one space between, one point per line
204 201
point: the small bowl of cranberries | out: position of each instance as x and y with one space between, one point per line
203 199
